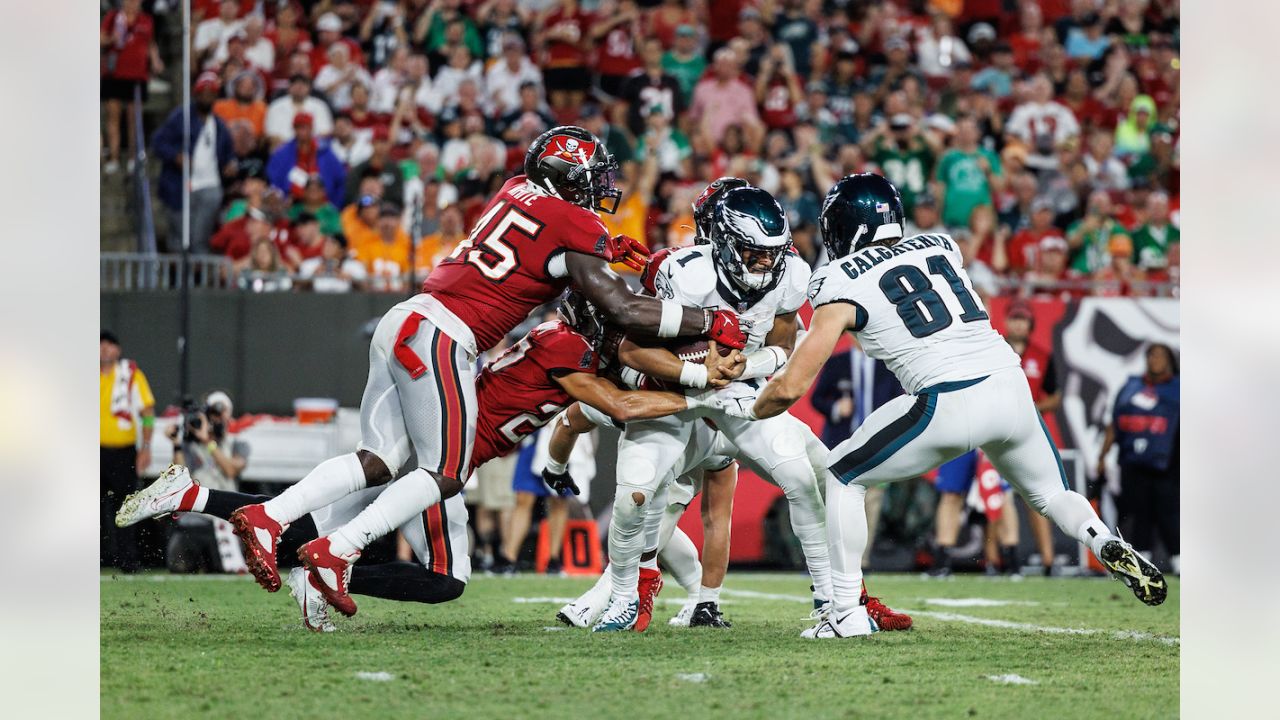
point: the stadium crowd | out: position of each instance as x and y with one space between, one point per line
340 144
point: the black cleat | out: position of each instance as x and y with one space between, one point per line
1135 571
707 614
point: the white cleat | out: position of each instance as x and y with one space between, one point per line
314 608
620 616
590 605
686 612
855 623
158 499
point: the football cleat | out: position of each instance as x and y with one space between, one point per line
855 623
649 586
259 535
682 618
619 616
708 614
821 609
885 617
311 602
331 574
1135 571
160 498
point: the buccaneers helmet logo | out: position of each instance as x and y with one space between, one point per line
569 149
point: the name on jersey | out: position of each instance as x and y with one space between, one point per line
523 195
866 259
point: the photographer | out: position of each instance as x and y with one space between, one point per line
215 459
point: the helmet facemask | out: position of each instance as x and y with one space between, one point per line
736 233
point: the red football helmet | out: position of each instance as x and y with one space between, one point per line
572 164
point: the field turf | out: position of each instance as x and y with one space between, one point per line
201 646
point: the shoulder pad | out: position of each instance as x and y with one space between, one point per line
692 269
648 277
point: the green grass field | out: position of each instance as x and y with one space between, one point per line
186 647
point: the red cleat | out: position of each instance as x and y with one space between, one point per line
884 616
259 535
649 586
330 573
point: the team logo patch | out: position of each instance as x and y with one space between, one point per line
815 287
587 358
569 149
662 286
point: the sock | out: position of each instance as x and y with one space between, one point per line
651 563
707 594
221 503
943 559
331 480
680 558
626 543
1009 558
1076 517
194 499
405 498
847 531
404 581
795 477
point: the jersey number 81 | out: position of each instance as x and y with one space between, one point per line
921 308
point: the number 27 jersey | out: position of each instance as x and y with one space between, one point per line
916 310
513 260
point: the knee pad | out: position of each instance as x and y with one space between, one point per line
789 443
795 477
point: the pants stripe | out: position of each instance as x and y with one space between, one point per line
444 533
890 439
453 424
440 396
1057 458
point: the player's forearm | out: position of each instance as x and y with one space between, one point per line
780 394
629 406
564 436
651 316
148 422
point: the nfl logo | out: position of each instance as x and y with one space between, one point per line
882 207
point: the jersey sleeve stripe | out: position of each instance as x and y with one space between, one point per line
859 312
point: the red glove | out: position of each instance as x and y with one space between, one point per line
628 251
725 331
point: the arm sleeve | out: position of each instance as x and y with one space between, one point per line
796 281
582 231
824 290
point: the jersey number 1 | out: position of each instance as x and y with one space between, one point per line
492 255
919 305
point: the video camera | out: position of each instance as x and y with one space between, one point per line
195 416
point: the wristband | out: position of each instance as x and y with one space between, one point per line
177 449
632 378
211 446
695 402
672 315
707 316
763 362
148 421
555 467
693 375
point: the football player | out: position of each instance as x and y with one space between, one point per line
909 302
748 268
555 364
537 236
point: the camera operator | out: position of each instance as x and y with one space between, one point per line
215 459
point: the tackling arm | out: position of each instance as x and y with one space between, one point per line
664 318
661 364
622 405
829 322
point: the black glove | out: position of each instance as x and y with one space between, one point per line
560 482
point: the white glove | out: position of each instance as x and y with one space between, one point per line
735 404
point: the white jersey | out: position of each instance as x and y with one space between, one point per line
688 276
916 310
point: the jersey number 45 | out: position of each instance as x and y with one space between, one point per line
488 247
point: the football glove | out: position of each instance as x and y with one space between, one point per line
735 404
628 251
559 482
724 329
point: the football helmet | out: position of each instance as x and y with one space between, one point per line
705 204
584 317
860 210
572 164
749 221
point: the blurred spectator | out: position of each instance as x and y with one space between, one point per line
723 99
563 33
1026 242
1146 425
1119 276
126 412
896 71
969 175
1153 238
315 203
1051 264
778 89
903 153
305 239
333 271
795 27
385 252
293 163
1133 134
265 271
211 35
281 112
507 77
924 217
425 194
987 243
444 26
669 146
236 239
796 200
383 32
632 216
527 120
385 90
252 188
1086 41
360 218
997 78
245 103
461 67
939 49
129 57
258 48
614 35
328 34
1025 43
1090 237
491 497
1106 172
437 245
1042 124
684 61
649 87
1130 24
210 153
288 37
380 165
1159 167
502 19
665 20
350 146
614 138
337 78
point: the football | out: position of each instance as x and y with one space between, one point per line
694 350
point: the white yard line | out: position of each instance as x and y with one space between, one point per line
172 578
988 622
379 676
976 602
1012 679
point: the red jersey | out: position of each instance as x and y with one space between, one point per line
569 49
502 271
128 56
1035 363
517 392
617 52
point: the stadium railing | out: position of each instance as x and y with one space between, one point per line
145 271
